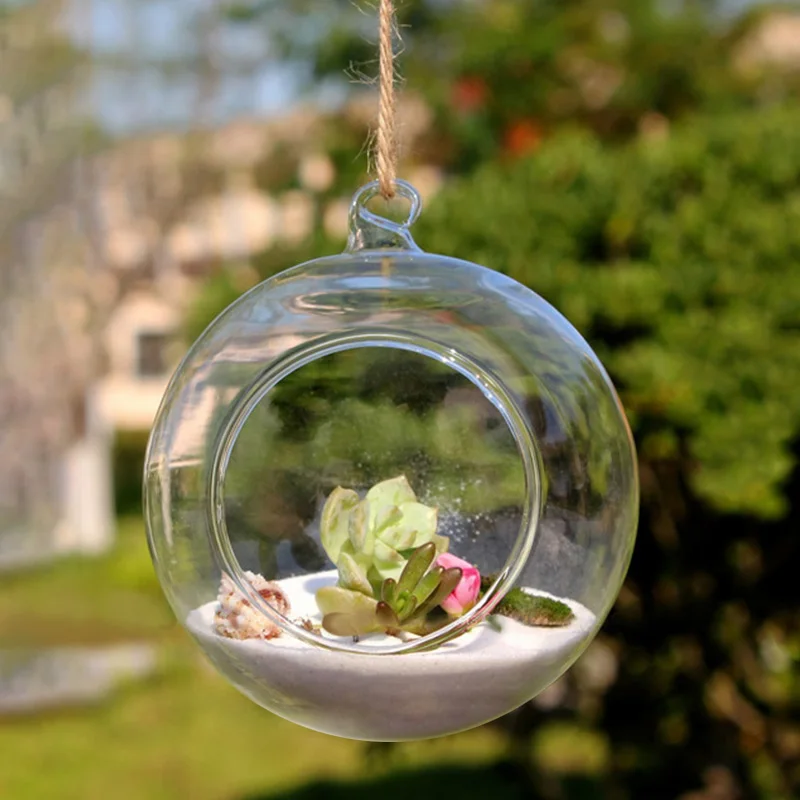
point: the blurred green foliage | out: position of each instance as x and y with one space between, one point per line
679 260
160 739
351 419
127 468
677 256
502 75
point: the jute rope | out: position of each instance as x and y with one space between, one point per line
386 155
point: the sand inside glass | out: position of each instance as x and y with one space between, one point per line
403 413
470 680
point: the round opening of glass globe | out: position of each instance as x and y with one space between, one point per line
391 495
370 494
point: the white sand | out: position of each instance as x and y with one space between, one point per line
474 678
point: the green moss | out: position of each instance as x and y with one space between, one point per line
531 609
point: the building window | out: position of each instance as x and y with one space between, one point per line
153 354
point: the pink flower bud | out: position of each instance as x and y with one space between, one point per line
465 595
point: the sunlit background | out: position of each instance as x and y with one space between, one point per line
635 162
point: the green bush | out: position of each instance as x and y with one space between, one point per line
501 75
678 259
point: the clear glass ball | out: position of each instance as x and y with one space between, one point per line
381 364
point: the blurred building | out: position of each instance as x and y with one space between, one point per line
53 471
173 208
104 246
773 43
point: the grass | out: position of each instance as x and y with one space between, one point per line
87 600
183 734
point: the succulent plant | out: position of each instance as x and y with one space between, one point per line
370 540
387 554
400 605
530 609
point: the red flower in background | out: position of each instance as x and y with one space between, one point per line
469 94
522 137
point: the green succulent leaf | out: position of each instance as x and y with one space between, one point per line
399 538
420 625
359 531
388 590
450 579
401 600
386 616
448 582
357 624
414 526
409 607
428 585
337 600
335 521
387 561
393 492
385 518
352 576
416 567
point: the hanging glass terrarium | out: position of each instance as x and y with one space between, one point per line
392 495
